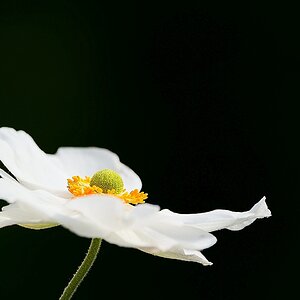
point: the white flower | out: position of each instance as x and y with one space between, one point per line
39 198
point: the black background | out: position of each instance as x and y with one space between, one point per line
199 100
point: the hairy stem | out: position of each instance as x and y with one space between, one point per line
82 270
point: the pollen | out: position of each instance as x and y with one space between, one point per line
79 186
134 197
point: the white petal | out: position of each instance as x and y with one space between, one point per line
12 191
139 226
6 221
48 208
180 254
30 165
220 219
20 214
73 214
87 161
131 180
40 207
165 234
29 206
105 214
79 224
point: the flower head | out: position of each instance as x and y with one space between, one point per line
91 193
111 183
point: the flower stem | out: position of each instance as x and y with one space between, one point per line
82 270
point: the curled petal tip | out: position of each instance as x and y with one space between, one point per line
261 209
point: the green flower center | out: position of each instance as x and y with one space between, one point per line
108 180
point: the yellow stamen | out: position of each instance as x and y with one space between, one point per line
134 197
81 187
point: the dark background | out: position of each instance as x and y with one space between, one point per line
199 100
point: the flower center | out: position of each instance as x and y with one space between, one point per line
108 180
105 182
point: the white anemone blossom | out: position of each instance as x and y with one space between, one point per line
39 197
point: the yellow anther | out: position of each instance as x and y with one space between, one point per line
81 186
134 197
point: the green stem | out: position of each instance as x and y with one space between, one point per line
82 270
